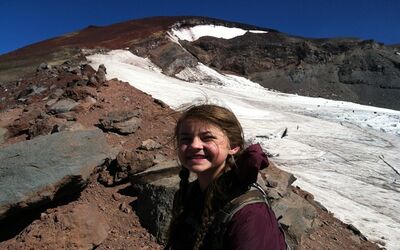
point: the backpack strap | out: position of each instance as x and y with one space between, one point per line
256 194
250 197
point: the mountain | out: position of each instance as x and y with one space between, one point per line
349 69
74 131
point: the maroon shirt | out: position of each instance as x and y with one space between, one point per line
254 227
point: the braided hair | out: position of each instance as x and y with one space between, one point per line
224 119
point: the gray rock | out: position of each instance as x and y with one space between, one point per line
150 145
128 127
102 68
56 94
298 216
62 106
121 122
37 90
157 186
51 102
172 58
101 74
42 66
93 81
46 168
72 126
277 180
3 132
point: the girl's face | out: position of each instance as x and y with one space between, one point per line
203 148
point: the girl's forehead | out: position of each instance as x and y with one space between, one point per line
195 125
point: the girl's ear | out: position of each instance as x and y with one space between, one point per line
234 150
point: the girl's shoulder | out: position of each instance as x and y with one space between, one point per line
255 227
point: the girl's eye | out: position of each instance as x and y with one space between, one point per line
208 138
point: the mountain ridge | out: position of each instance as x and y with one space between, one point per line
355 70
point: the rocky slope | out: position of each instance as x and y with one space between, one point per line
48 90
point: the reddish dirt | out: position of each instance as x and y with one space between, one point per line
114 36
115 221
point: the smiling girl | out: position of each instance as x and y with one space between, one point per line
210 144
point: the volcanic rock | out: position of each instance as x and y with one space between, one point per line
44 126
127 162
62 106
46 168
156 188
150 145
3 133
125 122
172 58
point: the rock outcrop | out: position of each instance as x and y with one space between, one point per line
353 70
156 188
45 168
121 122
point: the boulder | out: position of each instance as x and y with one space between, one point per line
46 168
125 122
149 145
127 162
71 126
63 105
22 124
156 187
79 93
43 66
277 180
42 127
298 216
101 74
3 133
85 104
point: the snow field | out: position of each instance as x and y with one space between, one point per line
332 147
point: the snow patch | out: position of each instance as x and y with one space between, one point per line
193 33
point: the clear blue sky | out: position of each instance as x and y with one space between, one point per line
23 22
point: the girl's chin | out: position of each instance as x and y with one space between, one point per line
197 168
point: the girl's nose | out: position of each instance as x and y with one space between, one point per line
196 143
